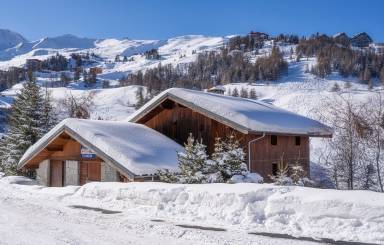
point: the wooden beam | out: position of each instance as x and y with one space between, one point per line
53 148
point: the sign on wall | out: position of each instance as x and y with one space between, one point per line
87 153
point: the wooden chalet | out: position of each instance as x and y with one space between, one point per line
79 151
267 133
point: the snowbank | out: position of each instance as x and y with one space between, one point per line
299 211
20 180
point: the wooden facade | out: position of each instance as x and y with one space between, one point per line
177 122
62 149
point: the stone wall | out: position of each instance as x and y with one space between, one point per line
43 173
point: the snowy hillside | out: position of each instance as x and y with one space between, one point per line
187 214
173 51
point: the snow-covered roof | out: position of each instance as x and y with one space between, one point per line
133 148
245 115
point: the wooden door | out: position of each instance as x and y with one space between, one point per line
94 171
57 173
89 171
83 172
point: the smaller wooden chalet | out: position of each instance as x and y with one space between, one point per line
266 132
79 151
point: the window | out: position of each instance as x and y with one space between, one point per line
297 140
273 139
174 130
274 169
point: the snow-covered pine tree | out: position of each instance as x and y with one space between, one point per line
4 154
281 177
49 118
243 93
252 94
235 92
297 173
217 160
193 162
229 158
27 123
167 176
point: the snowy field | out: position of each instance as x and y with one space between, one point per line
159 213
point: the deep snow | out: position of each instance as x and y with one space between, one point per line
33 213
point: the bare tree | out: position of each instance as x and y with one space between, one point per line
78 106
375 116
347 158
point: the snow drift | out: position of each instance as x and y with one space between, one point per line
298 211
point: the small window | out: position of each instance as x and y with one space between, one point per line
297 140
274 169
273 139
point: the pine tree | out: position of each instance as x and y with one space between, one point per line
281 177
229 158
166 176
297 173
235 93
243 93
49 118
193 162
25 122
252 94
4 155
217 159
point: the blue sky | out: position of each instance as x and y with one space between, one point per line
160 19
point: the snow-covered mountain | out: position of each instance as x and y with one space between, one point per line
9 39
173 50
65 41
